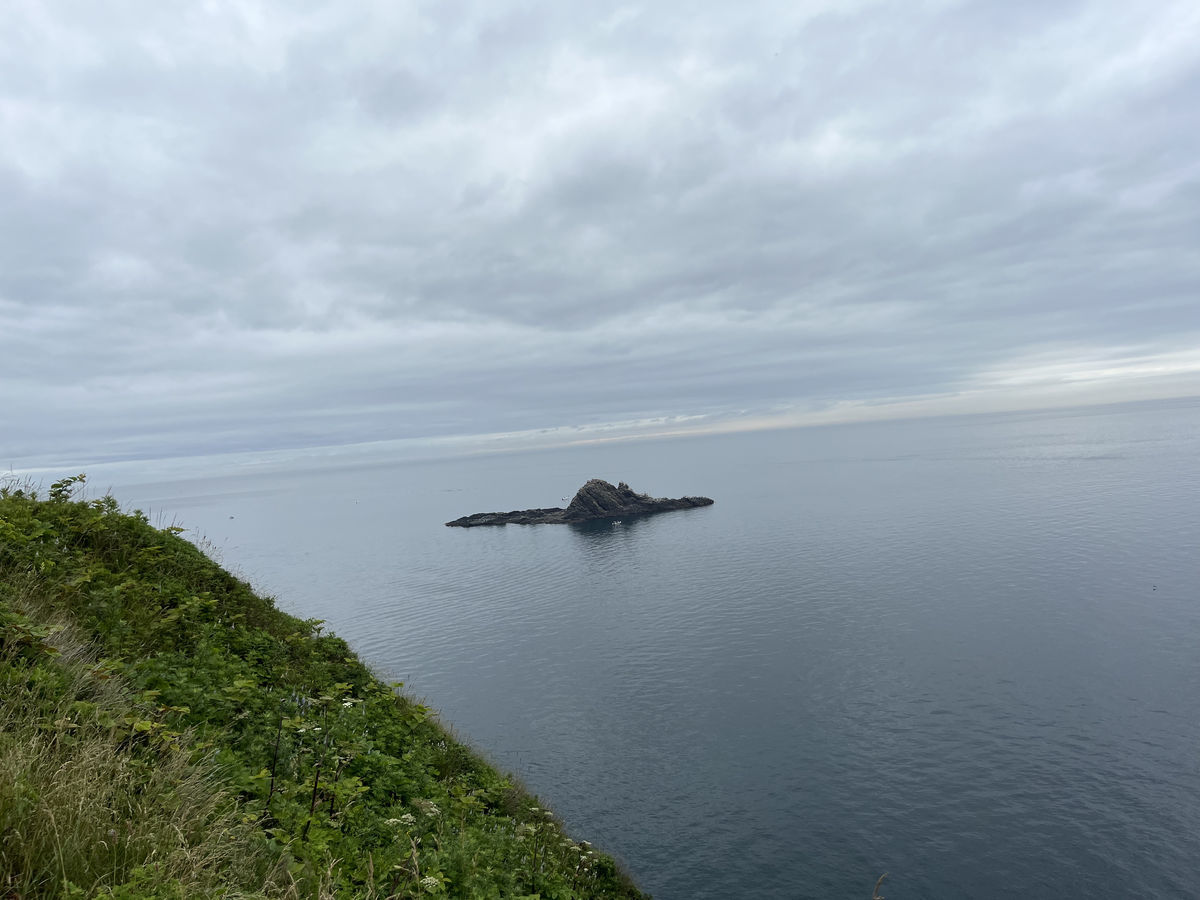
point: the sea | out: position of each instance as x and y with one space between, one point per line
963 651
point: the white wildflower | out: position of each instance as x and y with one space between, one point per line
430 883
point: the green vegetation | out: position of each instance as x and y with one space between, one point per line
167 733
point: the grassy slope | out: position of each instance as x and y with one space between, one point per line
166 732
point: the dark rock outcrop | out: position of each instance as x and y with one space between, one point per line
595 500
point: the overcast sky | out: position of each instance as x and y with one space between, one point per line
237 226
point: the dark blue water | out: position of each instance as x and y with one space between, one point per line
964 651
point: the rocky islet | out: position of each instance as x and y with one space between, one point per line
598 499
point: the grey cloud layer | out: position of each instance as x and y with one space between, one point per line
247 225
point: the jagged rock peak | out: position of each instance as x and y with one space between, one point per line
599 498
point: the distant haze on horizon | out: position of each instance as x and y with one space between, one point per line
248 227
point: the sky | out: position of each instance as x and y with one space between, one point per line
242 227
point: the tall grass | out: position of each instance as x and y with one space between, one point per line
84 809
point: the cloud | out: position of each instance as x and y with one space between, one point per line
254 225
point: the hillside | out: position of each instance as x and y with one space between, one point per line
166 732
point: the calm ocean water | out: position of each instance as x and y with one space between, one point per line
962 651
